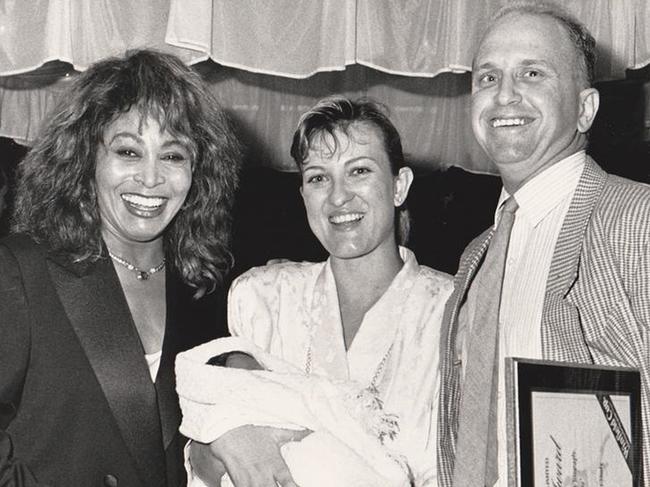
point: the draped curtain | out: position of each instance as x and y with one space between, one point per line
268 61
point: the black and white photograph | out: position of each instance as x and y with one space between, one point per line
324 243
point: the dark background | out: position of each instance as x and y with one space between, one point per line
448 207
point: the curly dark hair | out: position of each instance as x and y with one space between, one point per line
338 113
56 196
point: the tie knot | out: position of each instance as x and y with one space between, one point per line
507 218
510 206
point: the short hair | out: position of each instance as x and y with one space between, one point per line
338 113
56 195
583 42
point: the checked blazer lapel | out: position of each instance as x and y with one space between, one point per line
450 366
98 312
562 334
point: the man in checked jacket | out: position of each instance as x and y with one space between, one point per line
576 280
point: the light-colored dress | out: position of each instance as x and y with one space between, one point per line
291 312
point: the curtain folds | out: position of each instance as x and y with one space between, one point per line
432 115
78 31
444 31
282 38
270 60
641 34
410 37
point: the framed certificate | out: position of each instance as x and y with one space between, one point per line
572 425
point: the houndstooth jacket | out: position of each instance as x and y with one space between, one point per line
597 301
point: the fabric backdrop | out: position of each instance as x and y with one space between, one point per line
270 60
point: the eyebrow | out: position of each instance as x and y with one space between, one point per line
309 166
135 137
315 167
174 142
358 158
525 62
128 135
537 62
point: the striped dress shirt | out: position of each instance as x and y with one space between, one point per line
543 202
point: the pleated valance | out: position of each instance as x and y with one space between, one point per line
270 60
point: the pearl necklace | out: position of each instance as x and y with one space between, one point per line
141 275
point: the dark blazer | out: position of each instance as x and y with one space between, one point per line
597 300
77 404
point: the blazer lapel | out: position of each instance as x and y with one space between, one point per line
449 353
178 307
562 335
99 314
189 323
468 266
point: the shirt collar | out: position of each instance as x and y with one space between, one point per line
539 196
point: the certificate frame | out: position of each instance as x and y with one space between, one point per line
539 393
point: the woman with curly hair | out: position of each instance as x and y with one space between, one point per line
121 232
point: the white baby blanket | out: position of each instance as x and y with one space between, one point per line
347 421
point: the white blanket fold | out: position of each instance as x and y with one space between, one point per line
347 422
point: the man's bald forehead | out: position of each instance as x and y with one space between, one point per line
577 35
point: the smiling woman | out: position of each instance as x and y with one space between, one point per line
350 344
350 192
122 225
143 175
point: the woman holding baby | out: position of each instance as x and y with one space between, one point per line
347 347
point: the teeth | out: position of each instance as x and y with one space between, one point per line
145 201
348 217
508 122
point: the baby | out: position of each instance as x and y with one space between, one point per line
230 382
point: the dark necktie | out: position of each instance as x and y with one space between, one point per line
476 448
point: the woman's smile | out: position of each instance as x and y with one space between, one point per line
345 218
144 206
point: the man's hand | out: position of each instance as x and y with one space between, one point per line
250 455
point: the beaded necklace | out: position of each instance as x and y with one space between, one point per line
375 378
140 274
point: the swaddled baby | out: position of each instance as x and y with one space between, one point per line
351 434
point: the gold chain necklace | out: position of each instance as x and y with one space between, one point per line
140 274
